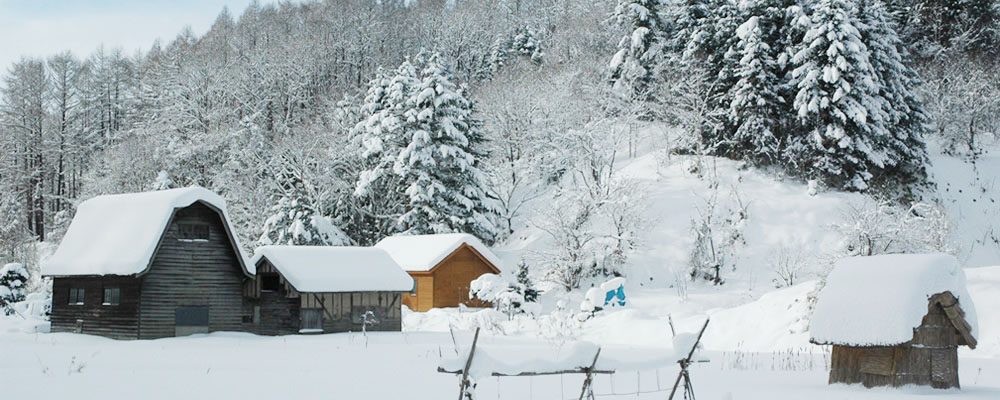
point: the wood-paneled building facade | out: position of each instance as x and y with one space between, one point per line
321 289
149 265
443 266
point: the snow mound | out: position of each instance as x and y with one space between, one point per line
117 234
424 252
329 269
879 300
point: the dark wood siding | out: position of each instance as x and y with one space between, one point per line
280 310
193 273
114 321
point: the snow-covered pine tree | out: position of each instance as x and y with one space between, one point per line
902 119
439 165
294 221
757 106
837 89
632 68
527 286
13 280
381 135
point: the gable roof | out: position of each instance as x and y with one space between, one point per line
421 253
326 269
119 234
879 300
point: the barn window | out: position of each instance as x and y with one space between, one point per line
112 296
76 296
193 232
270 282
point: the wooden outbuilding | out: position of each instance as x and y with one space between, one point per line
895 320
442 265
324 289
149 265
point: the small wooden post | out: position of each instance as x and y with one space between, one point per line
464 383
590 378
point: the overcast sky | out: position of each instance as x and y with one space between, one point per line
40 28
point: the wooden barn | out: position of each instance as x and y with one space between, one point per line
442 265
895 320
149 265
323 289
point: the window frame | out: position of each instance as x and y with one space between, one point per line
117 296
77 293
192 232
266 277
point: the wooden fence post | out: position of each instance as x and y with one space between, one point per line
590 378
464 383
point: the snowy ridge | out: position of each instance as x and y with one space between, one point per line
117 234
423 252
879 300
329 269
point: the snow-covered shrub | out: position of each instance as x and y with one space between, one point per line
13 280
162 181
529 291
873 227
505 294
787 262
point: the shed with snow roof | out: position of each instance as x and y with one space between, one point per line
443 266
323 289
895 320
149 265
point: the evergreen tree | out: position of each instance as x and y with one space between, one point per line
756 107
632 67
294 221
439 165
525 285
381 135
837 89
13 281
901 119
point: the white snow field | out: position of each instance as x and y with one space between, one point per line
757 339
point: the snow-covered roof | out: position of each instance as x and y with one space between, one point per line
424 252
327 269
118 234
879 300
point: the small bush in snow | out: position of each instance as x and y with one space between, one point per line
787 262
506 295
875 227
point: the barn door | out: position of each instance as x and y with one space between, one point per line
311 320
190 320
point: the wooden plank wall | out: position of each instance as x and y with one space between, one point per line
193 273
423 300
929 359
452 278
118 322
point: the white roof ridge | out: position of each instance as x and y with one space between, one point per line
421 253
118 234
332 269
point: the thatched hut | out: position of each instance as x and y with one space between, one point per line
895 320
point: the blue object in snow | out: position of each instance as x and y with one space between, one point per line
617 293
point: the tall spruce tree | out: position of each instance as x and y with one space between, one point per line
439 165
757 106
901 120
837 93
632 67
